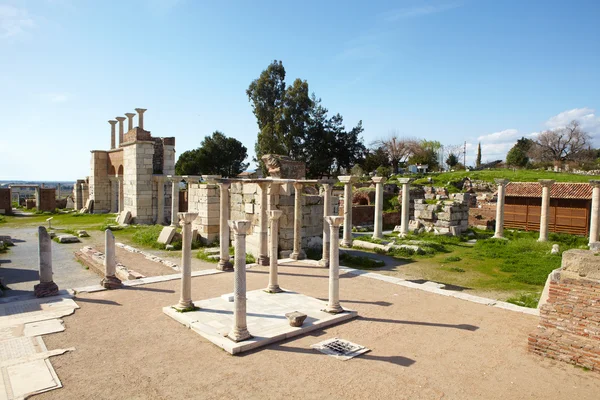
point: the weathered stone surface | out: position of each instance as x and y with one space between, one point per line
68 239
124 218
166 235
580 263
555 249
296 318
284 167
82 234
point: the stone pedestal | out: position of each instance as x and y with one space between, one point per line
347 181
499 234
263 257
110 280
327 210
46 287
185 301
545 210
595 214
378 223
405 205
333 305
273 287
224 263
239 331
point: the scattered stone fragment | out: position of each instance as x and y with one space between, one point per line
166 235
7 240
555 249
296 318
169 247
68 239
82 234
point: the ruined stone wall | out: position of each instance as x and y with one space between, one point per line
157 157
138 185
446 216
204 200
483 216
5 201
168 156
569 327
99 185
47 199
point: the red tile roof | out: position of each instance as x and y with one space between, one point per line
560 190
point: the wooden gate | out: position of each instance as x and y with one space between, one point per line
566 215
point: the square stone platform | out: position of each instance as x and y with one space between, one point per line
266 318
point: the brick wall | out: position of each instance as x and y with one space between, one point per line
5 203
47 199
483 215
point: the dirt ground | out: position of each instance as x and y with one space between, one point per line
423 346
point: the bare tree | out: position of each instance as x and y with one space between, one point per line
397 149
561 144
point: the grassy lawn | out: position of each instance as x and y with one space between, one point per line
520 175
69 221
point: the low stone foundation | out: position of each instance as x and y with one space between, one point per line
446 216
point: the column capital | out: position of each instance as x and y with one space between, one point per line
379 179
120 119
347 179
112 122
334 220
405 181
186 218
140 110
274 215
129 115
212 179
546 182
239 227
595 183
224 185
501 182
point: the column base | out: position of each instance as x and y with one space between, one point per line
377 236
239 335
324 262
225 265
346 243
499 237
45 289
111 282
274 289
298 256
334 309
184 306
264 261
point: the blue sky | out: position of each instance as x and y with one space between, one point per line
453 71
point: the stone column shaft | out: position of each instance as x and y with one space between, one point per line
114 195
120 119
160 201
174 201
263 257
333 305
239 332
140 112
129 121
120 195
327 211
595 214
405 215
46 287
185 220
545 211
500 208
112 133
297 253
274 216
224 263
378 223
347 180
110 280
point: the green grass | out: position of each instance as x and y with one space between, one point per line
525 300
452 259
360 262
71 220
2 219
370 239
204 256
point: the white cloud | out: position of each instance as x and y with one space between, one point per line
55 97
590 122
499 137
14 21
417 11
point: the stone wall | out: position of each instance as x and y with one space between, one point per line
99 185
569 327
204 200
361 215
446 216
138 185
47 199
483 216
5 201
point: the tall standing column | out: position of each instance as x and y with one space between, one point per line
333 305
274 216
112 123
224 263
545 211
129 121
174 199
500 208
378 223
405 205
78 196
120 194
347 181
185 301
297 253
327 210
594 218
46 287
141 112
120 119
58 196
263 257
114 193
160 201
239 332
110 280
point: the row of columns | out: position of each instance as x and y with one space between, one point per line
120 120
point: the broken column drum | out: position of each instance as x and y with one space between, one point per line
110 280
239 331
46 287
274 240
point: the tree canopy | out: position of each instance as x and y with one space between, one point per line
293 123
561 144
217 155
517 156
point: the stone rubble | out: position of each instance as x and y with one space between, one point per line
149 256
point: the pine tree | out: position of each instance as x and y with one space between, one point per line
478 161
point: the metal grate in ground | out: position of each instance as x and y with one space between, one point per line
340 348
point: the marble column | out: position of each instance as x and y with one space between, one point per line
545 211
224 263
239 331
185 301
273 287
112 123
327 210
160 201
378 223
58 191
174 199
110 280
130 121
594 218
297 253
500 208
347 181
38 198
263 245
333 305
120 119
46 287
405 216
141 112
